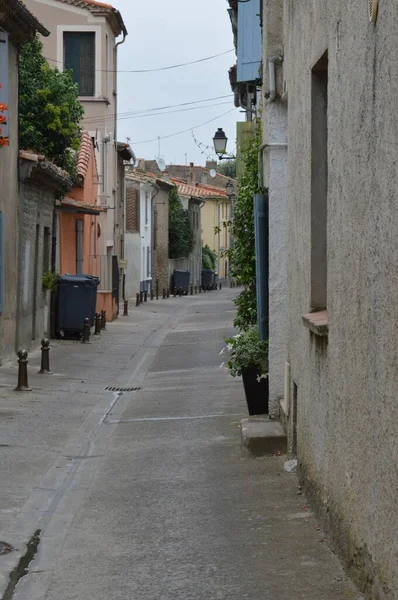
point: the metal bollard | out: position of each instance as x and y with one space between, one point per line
23 385
164 294
180 292
157 289
196 290
152 294
45 357
126 308
137 299
141 297
175 292
86 331
145 296
103 319
168 293
97 324
191 290
220 285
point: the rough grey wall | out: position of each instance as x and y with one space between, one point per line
38 203
133 257
8 206
347 399
274 131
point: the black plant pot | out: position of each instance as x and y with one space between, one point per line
256 392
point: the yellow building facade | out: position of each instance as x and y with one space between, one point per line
216 212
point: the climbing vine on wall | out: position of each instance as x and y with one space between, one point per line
242 254
181 239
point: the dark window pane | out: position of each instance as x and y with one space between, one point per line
79 56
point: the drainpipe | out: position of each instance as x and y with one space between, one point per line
272 61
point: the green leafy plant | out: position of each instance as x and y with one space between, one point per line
227 168
242 254
49 108
246 351
181 238
209 258
49 281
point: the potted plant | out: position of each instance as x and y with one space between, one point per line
248 357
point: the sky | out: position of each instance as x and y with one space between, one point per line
168 33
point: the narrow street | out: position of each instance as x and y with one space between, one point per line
146 494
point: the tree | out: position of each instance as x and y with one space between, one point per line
228 168
209 258
242 254
49 108
181 239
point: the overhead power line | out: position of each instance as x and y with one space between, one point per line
177 66
134 113
164 137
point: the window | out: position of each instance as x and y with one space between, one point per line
319 183
79 56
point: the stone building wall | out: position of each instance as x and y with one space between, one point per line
343 170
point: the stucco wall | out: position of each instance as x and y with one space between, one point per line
133 270
8 206
275 167
37 205
346 388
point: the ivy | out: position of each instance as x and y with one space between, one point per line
209 258
242 254
181 239
50 111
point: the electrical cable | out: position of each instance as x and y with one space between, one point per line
177 66
164 137
158 108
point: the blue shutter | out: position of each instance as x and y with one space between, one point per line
4 128
249 41
1 263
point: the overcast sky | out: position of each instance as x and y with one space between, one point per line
166 33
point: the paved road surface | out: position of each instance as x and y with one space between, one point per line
147 495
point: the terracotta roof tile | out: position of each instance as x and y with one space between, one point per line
86 150
195 191
95 7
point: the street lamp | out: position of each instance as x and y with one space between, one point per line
230 189
220 145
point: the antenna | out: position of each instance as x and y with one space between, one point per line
161 164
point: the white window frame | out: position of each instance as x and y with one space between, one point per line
61 29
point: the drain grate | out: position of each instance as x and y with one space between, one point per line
5 548
122 389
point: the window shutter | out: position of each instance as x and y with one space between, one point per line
87 64
249 41
79 56
4 127
1 263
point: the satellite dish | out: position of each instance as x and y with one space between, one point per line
161 164
213 172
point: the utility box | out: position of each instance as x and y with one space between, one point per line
76 300
181 280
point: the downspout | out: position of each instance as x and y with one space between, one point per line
272 61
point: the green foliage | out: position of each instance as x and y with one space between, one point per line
246 351
181 239
50 111
227 168
242 254
209 258
49 280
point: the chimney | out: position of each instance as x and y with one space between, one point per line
192 180
211 164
